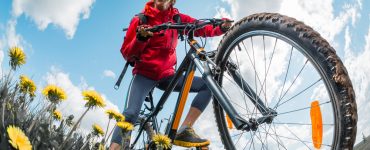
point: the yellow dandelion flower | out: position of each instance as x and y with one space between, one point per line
18 139
98 130
93 99
162 141
125 126
111 113
101 147
26 85
114 114
17 57
119 117
54 94
57 115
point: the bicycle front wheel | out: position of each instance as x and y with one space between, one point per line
293 71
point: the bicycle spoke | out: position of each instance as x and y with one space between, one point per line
239 137
268 70
275 139
301 140
233 82
305 124
254 67
264 57
255 71
238 134
291 84
300 92
252 139
286 74
259 138
256 77
300 109
246 93
291 132
290 138
237 60
248 111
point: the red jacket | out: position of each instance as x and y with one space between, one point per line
157 55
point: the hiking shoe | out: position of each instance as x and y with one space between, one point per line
188 138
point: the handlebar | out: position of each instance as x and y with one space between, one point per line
189 26
196 25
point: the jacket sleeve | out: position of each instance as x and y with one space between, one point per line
131 47
207 31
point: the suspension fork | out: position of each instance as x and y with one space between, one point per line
268 113
222 99
255 99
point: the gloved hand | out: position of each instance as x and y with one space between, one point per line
226 25
143 35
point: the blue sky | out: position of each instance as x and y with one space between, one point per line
94 46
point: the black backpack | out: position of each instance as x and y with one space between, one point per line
144 20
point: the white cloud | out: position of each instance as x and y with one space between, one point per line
1 57
243 8
109 73
63 14
358 69
11 36
75 103
316 13
347 43
320 15
222 13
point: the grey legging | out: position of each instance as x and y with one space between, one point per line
141 87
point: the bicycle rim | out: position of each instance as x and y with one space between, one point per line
289 77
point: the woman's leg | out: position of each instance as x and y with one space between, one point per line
200 101
185 135
139 89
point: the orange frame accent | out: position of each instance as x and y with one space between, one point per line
184 96
200 50
193 42
229 122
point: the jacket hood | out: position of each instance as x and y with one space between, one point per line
150 11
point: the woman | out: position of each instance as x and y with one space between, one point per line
154 55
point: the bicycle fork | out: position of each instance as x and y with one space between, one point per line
239 122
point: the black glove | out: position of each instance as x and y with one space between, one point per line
225 26
143 35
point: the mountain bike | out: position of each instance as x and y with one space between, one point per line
276 84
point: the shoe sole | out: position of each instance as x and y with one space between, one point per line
189 144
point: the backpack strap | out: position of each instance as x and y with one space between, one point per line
118 83
142 18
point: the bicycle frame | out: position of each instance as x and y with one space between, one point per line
193 60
